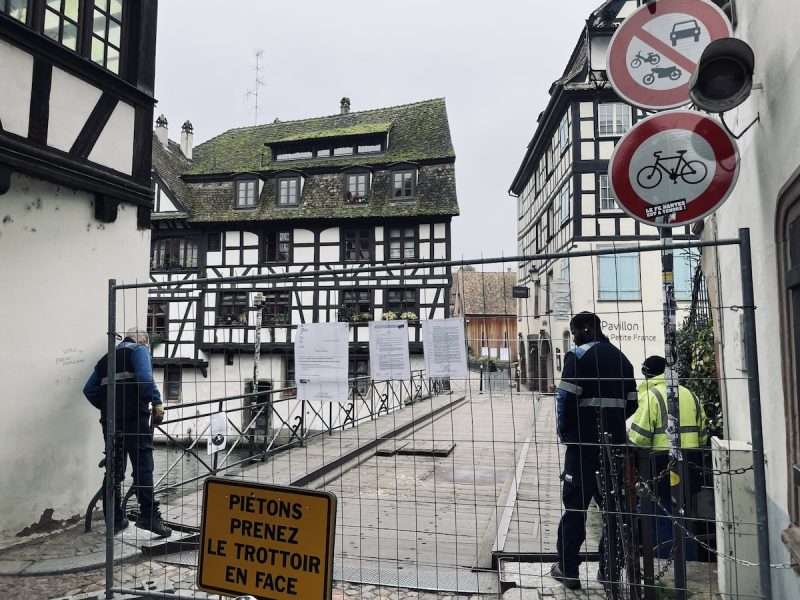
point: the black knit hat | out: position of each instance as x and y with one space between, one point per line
654 366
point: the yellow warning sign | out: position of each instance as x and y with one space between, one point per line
268 541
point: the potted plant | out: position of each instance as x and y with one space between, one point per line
408 316
389 316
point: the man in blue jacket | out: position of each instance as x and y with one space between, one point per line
596 394
134 391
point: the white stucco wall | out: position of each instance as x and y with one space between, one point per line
55 262
770 158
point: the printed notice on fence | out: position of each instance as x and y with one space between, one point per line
445 348
388 350
269 541
320 361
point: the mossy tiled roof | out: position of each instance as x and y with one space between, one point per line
170 163
484 293
418 133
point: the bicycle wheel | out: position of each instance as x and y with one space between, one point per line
648 79
655 60
694 171
636 63
675 74
649 177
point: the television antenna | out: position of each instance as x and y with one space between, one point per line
259 82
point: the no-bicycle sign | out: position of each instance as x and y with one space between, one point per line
266 540
674 168
654 52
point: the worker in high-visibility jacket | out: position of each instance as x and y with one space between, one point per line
647 430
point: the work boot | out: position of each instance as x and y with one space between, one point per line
571 583
120 525
156 525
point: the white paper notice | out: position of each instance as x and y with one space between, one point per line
445 348
217 432
320 361
503 353
388 350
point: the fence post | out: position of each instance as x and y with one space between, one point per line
672 426
110 429
756 430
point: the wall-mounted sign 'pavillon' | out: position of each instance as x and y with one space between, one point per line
655 51
674 168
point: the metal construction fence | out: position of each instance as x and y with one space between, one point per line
456 486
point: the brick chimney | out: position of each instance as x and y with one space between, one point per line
187 135
344 106
162 132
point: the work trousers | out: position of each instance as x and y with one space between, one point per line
137 447
579 486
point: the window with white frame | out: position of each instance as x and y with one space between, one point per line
613 118
607 200
684 262
246 193
563 133
565 269
288 191
619 277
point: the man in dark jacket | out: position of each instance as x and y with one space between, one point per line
134 391
596 394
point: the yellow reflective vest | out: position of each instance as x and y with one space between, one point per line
647 426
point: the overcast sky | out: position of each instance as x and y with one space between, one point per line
493 60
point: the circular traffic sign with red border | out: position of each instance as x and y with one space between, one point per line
654 52
674 168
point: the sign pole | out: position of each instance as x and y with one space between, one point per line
672 425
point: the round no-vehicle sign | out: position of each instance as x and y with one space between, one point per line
654 52
674 168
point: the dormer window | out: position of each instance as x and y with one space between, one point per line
342 142
357 188
404 185
288 191
246 193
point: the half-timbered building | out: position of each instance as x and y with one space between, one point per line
76 108
565 203
372 189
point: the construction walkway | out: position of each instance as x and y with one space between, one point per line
425 495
